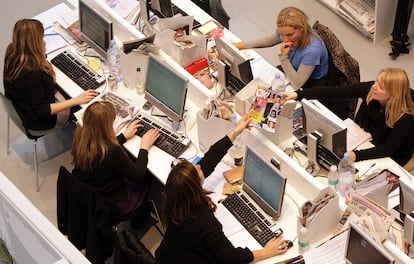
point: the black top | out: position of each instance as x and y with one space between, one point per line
108 176
200 239
396 142
31 94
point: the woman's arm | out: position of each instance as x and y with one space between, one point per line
83 98
392 144
296 78
266 41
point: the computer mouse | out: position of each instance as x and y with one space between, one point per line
289 243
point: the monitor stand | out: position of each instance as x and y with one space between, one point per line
312 152
154 111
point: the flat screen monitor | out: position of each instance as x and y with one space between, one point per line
263 182
239 66
166 89
362 249
321 119
96 29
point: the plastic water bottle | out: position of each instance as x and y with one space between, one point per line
333 177
278 84
111 3
114 62
139 81
303 240
346 172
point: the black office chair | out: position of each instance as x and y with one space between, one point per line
14 116
343 68
89 219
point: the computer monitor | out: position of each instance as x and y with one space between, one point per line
166 89
96 29
362 249
239 65
321 119
263 182
406 196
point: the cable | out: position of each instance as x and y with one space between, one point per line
297 205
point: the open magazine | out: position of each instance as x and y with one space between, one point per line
125 109
264 109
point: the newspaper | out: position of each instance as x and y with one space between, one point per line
265 108
375 219
125 110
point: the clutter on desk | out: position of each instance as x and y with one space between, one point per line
383 182
320 216
375 219
217 108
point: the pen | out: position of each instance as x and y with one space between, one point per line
365 173
52 34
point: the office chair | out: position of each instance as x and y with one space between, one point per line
343 68
89 219
14 116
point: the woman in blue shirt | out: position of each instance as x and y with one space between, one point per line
303 54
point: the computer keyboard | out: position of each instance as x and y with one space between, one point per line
77 70
252 220
234 84
177 10
168 141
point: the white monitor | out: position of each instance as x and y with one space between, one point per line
166 89
239 65
96 29
362 249
321 119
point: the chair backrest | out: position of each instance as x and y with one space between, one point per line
11 112
341 59
343 68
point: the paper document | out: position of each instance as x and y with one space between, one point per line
355 135
332 251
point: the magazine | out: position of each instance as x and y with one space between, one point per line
125 110
265 108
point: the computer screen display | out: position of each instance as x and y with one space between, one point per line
320 118
166 89
96 30
239 66
264 183
362 249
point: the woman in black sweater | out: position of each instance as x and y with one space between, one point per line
194 235
386 111
102 164
30 81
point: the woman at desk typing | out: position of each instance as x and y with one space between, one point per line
101 163
30 81
386 111
193 234
303 54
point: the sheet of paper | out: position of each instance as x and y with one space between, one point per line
332 251
355 135
53 40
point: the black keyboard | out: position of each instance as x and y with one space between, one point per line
252 220
325 157
77 71
234 84
177 10
168 141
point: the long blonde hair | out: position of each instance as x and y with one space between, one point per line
296 18
94 137
27 50
395 81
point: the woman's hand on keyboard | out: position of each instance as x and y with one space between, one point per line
85 97
149 138
131 129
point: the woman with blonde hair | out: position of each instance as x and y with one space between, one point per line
303 54
30 81
102 164
386 111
